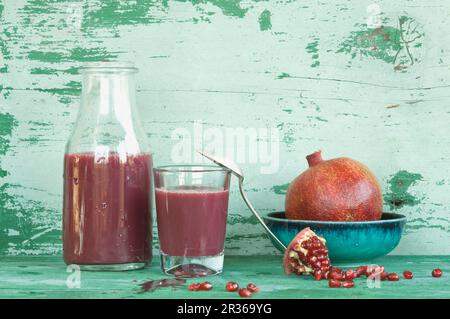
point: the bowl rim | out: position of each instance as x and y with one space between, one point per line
396 218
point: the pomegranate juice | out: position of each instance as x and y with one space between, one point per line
191 220
107 209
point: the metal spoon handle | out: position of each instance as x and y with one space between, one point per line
252 209
234 168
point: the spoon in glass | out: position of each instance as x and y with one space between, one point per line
234 168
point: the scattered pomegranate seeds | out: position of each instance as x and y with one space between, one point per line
245 293
361 270
436 273
252 288
200 286
232 286
336 275
205 286
383 276
374 271
333 283
350 274
393 277
348 284
407 274
336 270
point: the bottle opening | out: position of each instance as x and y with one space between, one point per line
108 67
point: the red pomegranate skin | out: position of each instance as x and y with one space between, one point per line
339 189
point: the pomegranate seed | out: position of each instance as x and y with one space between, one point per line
407 274
194 287
348 284
205 286
252 288
384 276
336 276
336 270
232 286
245 293
318 275
436 273
350 274
332 283
324 269
312 259
361 270
393 277
375 270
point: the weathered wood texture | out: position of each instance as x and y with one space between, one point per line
46 277
312 70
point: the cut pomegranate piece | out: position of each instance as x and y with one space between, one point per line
436 273
306 254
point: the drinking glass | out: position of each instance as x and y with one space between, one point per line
191 207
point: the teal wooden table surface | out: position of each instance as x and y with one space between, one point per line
46 277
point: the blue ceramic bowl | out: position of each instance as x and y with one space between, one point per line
348 242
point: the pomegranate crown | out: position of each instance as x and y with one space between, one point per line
314 158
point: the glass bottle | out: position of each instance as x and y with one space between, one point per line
107 221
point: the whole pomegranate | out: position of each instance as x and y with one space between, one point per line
339 189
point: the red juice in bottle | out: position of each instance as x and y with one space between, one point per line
107 209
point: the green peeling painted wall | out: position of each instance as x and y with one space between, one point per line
321 72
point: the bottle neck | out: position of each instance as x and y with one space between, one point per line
108 95
107 117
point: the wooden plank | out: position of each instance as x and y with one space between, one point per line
45 277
